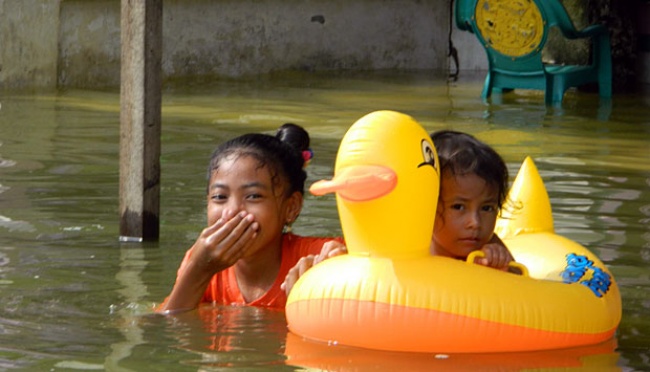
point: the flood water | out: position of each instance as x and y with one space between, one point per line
72 297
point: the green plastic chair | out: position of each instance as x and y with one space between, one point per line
514 32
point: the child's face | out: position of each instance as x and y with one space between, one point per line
241 184
466 215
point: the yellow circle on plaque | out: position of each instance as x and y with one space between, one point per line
511 27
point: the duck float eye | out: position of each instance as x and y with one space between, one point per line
428 154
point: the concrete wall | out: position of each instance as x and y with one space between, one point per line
48 43
247 37
28 42
89 43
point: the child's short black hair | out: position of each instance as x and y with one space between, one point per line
461 153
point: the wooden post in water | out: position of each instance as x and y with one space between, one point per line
140 119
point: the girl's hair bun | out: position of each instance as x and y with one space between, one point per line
294 135
297 137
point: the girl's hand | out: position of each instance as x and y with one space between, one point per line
218 247
496 256
330 249
222 244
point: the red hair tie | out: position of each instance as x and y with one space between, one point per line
307 155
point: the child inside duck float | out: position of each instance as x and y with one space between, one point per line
388 293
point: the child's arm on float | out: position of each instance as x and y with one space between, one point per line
330 249
218 247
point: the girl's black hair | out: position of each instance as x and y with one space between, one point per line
461 153
281 153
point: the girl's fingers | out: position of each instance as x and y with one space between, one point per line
296 272
496 256
227 238
337 249
229 228
211 229
330 249
239 232
304 264
502 261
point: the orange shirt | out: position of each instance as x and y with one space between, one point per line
223 288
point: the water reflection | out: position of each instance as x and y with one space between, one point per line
249 338
320 356
234 337
132 263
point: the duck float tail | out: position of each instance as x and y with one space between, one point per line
528 208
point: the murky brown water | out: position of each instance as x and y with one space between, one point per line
72 297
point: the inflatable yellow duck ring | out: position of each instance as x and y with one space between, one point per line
389 293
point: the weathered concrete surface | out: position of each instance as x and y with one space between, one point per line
247 37
28 42
89 43
235 38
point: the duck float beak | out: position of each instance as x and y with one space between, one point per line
358 183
